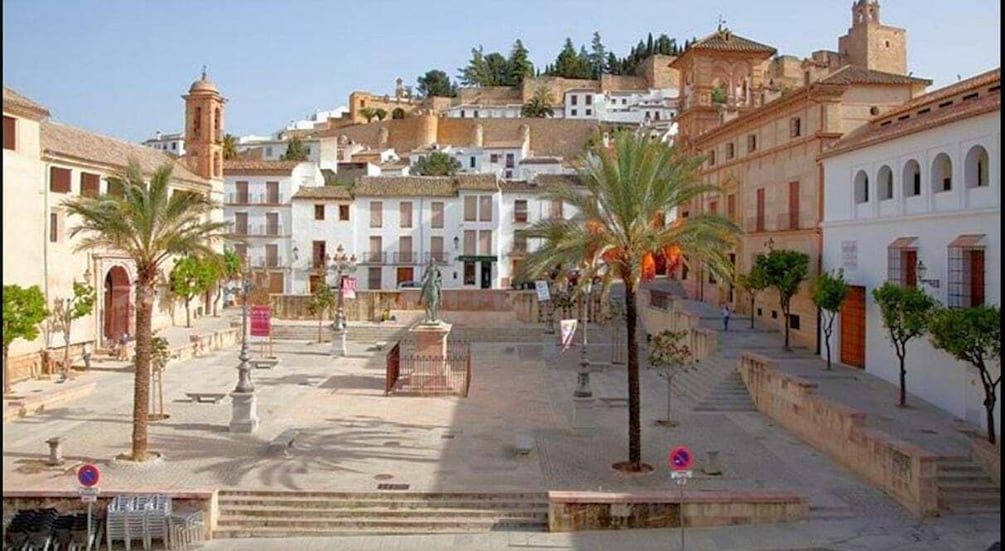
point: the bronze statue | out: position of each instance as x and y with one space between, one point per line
431 293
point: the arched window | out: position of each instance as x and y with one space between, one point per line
975 168
884 181
942 173
197 122
216 125
912 179
398 113
861 187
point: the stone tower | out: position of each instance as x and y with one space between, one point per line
204 129
872 45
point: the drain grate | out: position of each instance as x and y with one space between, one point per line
392 486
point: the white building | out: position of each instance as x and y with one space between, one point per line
258 201
914 197
532 167
168 143
655 107
501 159
323 218
484 111
317 120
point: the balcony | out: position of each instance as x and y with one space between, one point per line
439 257
405 257
520 217
753 224
794 221
372 258
265 262
518 250
259 230
253 199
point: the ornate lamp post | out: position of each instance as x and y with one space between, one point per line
341 264
243 415
583 375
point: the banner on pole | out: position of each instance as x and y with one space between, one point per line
543 294
568 331
261 319
349 287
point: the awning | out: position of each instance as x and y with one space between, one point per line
969 241
904 243
477 258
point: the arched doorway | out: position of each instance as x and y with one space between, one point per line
116 303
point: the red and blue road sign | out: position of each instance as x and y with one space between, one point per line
680 458
88 475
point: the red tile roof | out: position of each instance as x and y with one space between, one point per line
16 103
853 74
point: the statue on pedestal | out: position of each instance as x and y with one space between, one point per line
432 283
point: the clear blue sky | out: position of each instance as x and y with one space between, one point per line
119 67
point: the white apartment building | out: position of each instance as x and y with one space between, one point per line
914 197
501 159
484 111
644 107
324 217
258 201
318 118
168 143
532 167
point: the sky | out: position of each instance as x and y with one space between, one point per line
119 67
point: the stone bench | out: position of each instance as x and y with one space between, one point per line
263 363
206 397
283 442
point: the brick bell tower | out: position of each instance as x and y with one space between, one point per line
204 108
871 44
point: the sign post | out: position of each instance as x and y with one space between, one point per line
88 476
680 461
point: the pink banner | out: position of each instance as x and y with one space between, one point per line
260 321
348 287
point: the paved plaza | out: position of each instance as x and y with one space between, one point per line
354 437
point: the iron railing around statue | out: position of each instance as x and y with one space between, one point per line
428 374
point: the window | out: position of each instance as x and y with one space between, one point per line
373 280
519 242
318 253
966 272
241 195
485 208
942 173
272 223
319 212
975 169
469 273
241 223
406 214
436 248
912 179
861 187
471 162
343 213
59 180
574 113
759 220
751 143
376 214
9 133
713 207
272 192
520 211
711 157
793 218
902 262
510 161
241 250
555 209
731 206
437 218
793 321
485 242
462 113
795 127
730 151
885 183
470 208
90 184
494 158
470 242
54 226
589 112
272 256
589 101
405 253
574 100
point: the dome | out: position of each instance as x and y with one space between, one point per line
203 85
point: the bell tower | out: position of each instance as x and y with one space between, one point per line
872 45
204 128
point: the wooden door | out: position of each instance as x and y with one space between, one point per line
853 328
977 277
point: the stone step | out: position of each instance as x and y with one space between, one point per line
279 513
959 469
972 501
972 509
526 497
423 524
980 485
286 532
964 477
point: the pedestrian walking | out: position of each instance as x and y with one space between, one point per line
86 355
725 317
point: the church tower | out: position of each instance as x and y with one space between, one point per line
872 45
204 129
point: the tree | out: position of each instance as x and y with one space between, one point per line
625 188
784 270
369 113
973 335
718 94
228 269
380 113
518 66
436 83
191 277
829 292
23 310
477 72
436 163
570 63
905 312
668 352
229 146
752 283
66 310
295 150
598 57
148 224
540 104
498 69
160 354
322 301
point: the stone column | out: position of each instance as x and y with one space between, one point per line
431 346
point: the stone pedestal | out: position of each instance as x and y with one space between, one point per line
430 364
584 413
244 417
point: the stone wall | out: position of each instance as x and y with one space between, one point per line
574 511
989 457
368 305
661 312
905 472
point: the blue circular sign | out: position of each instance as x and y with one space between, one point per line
88 475
680 458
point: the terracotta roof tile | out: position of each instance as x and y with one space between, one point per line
852 74
250 166
977 81
62 140
324 192
518 186
14 102
553 179
417 186
477 182
725 40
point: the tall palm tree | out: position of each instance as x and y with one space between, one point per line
229 146
627 190
149 224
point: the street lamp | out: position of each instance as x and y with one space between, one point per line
583 375
341 264
243 416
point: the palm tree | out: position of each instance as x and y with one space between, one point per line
627 189
369 113
149 224
229 146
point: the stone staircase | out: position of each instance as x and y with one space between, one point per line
965 488
729 395
250 514
357 333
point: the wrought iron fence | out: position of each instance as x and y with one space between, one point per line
428 374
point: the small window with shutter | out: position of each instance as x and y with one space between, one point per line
90 184
59 180
9 133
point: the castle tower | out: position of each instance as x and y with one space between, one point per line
204 129
872 45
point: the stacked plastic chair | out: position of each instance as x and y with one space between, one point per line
143 517
32 529
187 529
